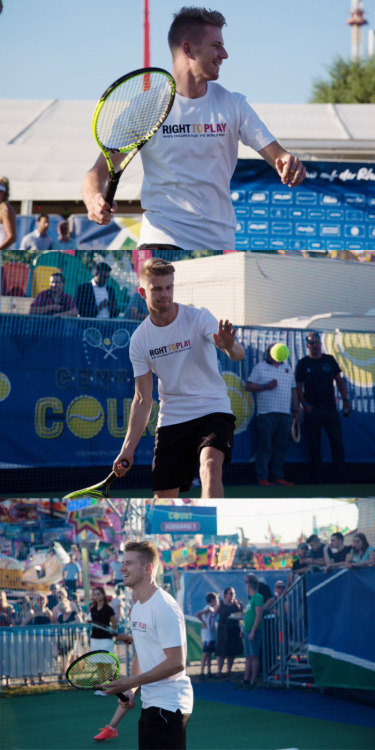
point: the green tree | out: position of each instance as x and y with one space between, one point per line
350 82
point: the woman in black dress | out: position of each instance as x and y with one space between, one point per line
228 642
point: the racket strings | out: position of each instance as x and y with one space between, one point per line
92 670
120 338
132 110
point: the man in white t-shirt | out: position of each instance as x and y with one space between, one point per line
189 162
177 343
158 668
276 390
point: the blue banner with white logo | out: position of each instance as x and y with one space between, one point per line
66 392
333 211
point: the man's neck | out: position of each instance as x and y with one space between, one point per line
144 591
188 85
164 319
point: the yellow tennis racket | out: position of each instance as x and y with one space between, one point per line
128 114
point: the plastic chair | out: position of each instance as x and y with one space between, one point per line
72 268
15 278
41 278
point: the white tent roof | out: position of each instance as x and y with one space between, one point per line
47 146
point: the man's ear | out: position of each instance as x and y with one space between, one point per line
186 48
142 291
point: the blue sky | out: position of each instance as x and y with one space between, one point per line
75 48
288 518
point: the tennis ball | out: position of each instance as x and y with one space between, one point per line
5 386
279 352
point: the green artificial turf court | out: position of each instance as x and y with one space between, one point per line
239 491
68 720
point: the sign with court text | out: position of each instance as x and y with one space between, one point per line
71 398
180 519
80 503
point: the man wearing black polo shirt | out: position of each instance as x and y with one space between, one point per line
315 376
335 553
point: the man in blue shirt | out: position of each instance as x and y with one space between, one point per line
39 239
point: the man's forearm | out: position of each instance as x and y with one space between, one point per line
236 352
93 183
139 415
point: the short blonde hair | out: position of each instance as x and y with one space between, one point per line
146 549
156 267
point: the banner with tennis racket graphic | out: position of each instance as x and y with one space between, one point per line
65 393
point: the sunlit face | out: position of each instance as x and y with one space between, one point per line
101 276
98 596
315 544
209 53
335 542
133 568
158 292
43 225
314 347
279 589
57 283
230 596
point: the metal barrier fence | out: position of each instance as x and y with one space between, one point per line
42 654
284 649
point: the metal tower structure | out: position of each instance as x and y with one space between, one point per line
357 20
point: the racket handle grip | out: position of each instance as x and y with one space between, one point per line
110 189
124 698
111 478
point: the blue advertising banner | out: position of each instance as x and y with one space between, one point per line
172 519
332 211
66 392
342 654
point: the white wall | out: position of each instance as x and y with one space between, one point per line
261 289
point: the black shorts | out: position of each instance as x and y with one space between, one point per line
178 446
162 729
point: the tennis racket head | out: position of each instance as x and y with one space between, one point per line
94 669
128 114
98 491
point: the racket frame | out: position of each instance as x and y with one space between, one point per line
122 696
135 147
99 491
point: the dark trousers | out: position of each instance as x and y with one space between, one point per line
162 729
329 421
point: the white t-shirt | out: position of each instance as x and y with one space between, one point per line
279 399
188 165
208 632
183 356
101 294
158 624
